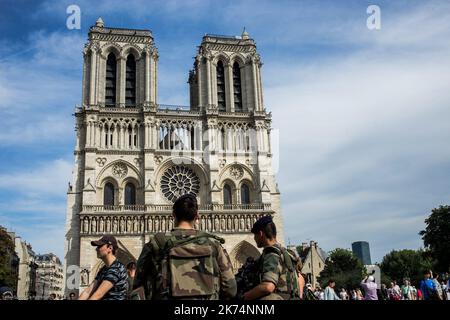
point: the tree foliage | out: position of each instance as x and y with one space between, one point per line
401 264
6 249
344 268
436 237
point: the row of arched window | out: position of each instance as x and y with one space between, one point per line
114 135
221 85
178 138
111 81
110 193
228 194
236 139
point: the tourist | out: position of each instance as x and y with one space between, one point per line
111 281
330 294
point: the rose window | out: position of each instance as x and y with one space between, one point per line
179 180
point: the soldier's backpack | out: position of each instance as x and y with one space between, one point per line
186 268
289 261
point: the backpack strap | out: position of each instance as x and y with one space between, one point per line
160 240
291 279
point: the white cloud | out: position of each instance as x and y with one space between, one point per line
41 182
38 94
44 238
369 134
362 115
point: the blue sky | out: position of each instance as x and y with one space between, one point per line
362 115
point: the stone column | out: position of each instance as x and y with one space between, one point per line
260 93
155 135
154 77
133 131
138 136
208 79
97 75
199 81
229 87
93 73
255 86
88 133
85 80
146 135
147 72
117 136
122 77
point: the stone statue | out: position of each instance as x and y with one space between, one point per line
94 225
241 225
128 225
84 278
102 224
208 224
236 223
216 223
115 225
142 223
170 224
108 225
135 225
157 224
163 224
222 223
122 225
202 223
150 224
86 225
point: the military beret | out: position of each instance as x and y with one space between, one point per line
261 223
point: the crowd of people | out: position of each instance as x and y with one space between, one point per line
191 264
430 288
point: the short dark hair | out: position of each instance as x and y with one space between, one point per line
270 230
131 265
185 207
331 281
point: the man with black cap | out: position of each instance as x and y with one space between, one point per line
276 273
187 263
111 281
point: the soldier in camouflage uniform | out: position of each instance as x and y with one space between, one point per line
276 275
187 263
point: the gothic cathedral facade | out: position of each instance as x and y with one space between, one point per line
134 156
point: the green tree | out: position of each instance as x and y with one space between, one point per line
343 267
6 249
436 237
401 264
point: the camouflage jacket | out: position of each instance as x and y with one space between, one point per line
148 264
273 267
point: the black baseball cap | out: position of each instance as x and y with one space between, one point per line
261 223
107 239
